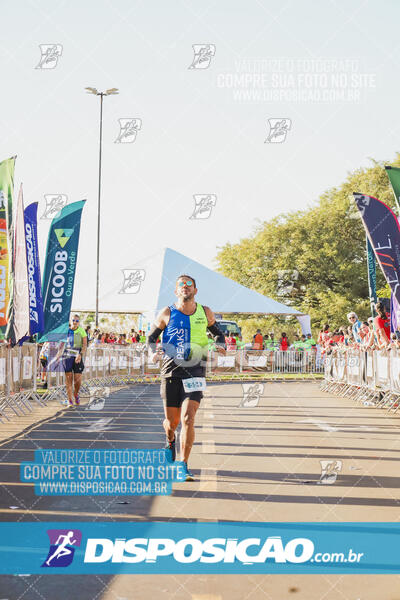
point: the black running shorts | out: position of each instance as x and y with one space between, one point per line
173 393
70 366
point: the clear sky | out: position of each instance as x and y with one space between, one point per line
203 131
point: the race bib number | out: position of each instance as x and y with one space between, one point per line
194 384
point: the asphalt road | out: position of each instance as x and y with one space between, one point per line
254 461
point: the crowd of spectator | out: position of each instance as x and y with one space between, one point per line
122 339
372 334
269 342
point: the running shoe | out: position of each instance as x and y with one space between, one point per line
67 402
77 401
188 475
171 447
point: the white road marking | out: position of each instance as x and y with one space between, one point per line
208 447
321 424
207 428
208 480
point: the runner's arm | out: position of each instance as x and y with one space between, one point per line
213 328
157 328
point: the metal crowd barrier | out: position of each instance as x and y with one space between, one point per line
247 361
370 377
109 365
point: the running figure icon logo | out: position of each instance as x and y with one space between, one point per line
203 205
62 542
50 55
203 54
128 129
54 203
97 398
278 129
132 280
251 394
330 469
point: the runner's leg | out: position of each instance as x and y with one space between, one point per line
171 421
68 384
77 383
189 409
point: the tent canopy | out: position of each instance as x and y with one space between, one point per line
156 289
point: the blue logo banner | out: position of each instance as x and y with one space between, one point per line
59 271
36 319
199 548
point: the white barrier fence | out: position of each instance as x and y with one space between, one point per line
111 365
371 377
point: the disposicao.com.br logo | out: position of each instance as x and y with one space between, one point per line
152 547
247 551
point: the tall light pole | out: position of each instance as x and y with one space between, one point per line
111 91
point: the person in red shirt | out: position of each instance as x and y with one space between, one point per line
382 325
283 342
323 335
258 340
230 342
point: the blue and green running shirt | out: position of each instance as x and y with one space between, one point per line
185 344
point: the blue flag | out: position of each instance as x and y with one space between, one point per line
383 231
36 321
59 271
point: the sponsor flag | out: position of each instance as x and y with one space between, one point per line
394 177
6 201
383 231
36 322
18 316
371 263
59 271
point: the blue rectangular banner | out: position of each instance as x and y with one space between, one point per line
199 548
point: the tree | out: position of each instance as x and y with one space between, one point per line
324 245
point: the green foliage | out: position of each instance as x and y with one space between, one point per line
325 244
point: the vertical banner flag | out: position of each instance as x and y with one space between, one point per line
59 271
18 316
371 263
394 177
36 322
6 199
383 232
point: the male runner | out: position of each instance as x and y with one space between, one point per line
73 352
184 349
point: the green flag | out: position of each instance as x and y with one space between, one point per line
394 177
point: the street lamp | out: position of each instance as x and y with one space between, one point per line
110 92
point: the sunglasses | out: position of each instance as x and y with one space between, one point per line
75 320
351 318
182 283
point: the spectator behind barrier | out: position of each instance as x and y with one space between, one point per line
258 340
322 336
382 326
283 342
356 324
